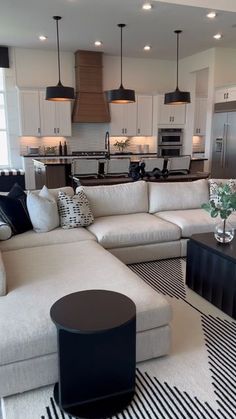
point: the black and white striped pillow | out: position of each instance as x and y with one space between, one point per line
74 211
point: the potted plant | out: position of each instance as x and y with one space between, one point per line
222 204
122 144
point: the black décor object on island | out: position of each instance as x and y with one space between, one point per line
65 149
177 97
211 271
60 149
121 95
96 334
13 210
59 92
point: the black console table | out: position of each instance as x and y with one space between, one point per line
211 271
96 332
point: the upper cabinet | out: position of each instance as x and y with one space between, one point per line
200 116
123 119
29 113
39 117
225 94
171 114
133 119
144 115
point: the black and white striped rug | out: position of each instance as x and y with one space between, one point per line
196 381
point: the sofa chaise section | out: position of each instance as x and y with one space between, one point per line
36 278
124 227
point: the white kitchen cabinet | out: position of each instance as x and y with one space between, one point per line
171 114
40 117
225 94
144 115
123 119
29 113
200 116
132 119
28 166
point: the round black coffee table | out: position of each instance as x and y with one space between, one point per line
96 332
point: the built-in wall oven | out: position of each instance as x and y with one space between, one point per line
170 142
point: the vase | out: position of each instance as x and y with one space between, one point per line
224 232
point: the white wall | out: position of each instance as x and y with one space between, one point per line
225 66
38 68
229 5
141 74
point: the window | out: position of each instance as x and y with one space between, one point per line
4 158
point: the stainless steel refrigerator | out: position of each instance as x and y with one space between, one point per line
224 145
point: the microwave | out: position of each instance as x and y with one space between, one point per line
170 137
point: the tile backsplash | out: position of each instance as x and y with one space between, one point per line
88 137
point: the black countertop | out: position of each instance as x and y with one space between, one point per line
54 162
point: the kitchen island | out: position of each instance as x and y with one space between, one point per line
54 173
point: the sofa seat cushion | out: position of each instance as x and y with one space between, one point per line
191 221
132 230
33 239
26 329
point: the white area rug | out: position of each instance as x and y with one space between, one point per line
196 381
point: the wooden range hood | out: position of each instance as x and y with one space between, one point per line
90 102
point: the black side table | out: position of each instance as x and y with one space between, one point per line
96 332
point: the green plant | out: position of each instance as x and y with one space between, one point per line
122 144
223 204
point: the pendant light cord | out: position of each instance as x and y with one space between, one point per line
121 57
56 18
177 68
121 26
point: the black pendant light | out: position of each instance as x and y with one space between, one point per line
177 97
121 95
59 92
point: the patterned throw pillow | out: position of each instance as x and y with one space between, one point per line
215 183
74 211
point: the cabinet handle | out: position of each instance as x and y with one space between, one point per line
58 130
39 170
170 119
138 130
39 130
173 119
125 130
227 95
55 130
122 131
224 96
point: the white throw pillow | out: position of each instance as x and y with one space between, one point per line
3 279
43 210
74 211
5 231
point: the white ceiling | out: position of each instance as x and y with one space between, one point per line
86 20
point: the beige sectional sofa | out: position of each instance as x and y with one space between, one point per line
133 223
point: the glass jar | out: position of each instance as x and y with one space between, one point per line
224 232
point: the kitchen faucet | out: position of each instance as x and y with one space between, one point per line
107 144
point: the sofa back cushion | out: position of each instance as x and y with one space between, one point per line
68 190
177 195
3 281
127 198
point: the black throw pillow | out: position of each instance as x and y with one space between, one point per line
13 210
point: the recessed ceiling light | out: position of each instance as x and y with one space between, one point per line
147 6
217 36
147 47
211 15
98 43
43 37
